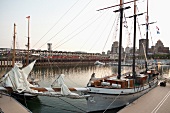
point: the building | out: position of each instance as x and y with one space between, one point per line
159 48
127 50
114 53
115 48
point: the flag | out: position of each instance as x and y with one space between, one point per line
157 30
28 17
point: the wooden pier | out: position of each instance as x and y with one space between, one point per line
10 105
155 101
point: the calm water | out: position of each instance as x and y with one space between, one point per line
74 77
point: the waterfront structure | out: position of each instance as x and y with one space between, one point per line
58 58
159 48
64 56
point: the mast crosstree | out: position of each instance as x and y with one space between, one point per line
121 9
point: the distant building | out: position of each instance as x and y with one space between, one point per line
114 53
108 52
159 48
115 48
127 50
103 53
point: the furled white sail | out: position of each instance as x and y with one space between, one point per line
28 68
17 78
64 89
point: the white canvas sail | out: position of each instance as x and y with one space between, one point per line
17 78
64 89
28 68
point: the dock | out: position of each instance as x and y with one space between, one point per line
10 105
155 101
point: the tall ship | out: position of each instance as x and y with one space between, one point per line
118 90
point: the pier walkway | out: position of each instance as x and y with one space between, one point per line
155 101
10 105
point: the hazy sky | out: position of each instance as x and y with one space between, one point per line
75 25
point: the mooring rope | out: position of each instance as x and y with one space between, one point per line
112 103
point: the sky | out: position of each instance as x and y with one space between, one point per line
76 25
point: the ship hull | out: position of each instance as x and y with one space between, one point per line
100 101
23 96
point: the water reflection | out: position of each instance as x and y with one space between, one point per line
74 76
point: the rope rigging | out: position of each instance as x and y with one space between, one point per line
79 31
116 29
139 28
110 31
73 69
127 31
151 35
55 46
71 37
67 24
152 40
74 36
91 34
100 34
56 22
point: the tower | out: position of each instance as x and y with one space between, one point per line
49 46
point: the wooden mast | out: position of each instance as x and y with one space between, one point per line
120 40
147 24
120 36
147 28
28 45
14 37
134 41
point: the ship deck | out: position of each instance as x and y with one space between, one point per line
155 101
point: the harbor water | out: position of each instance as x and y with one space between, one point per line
77 76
